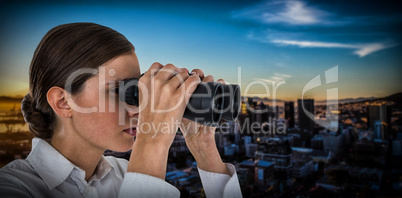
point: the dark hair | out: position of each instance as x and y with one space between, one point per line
63 50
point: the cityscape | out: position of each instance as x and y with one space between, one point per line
321 112
284 153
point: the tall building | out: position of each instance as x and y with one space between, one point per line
226 135
305 122
302 163
379 128
251 149
264 173
376 116
259 172
246 172
332 141
370 152
373 114
178 151
290 114
259 115
317 142
277 151
244 107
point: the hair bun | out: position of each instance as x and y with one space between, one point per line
38 122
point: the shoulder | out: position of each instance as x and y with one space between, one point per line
18 167
118 164
18 173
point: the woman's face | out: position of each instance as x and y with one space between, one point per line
100 127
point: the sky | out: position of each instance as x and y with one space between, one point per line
271 48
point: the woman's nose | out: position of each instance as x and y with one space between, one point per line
132 111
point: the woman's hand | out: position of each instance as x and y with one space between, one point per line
200 139
164 93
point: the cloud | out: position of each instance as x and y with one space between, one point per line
283 75
289 12
361 49
275 78
370 48
295 12
312 44
265 80
290 15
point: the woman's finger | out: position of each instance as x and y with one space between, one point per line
167 72
199 72
179 79
221 81
208 78
155 67
189 86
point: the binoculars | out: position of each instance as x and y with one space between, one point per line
210 102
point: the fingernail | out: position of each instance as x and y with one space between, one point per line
194 73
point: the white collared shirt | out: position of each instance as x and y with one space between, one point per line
47 173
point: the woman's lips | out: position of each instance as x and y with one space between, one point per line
131 131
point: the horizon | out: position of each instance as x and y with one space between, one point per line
242 42
266 98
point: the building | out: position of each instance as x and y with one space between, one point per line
251 149
245 172
243 107
378 114
305 122
173 176
305 136
371 153
340 176
260 172
260 113
290 114
281 127
302 163
333 142
396 160
231 150
264 173
178 146
226 135
295 140
247 139
277 151
178 151
397 147
317 142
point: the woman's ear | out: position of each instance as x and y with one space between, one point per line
56 97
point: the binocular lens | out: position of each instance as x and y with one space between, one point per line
210 102
231 102
206 103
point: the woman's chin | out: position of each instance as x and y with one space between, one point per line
125 145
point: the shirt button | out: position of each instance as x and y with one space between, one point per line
87 190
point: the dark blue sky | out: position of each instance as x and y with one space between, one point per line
289 41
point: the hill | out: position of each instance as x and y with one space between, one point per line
8 99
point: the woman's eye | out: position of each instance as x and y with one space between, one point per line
115 90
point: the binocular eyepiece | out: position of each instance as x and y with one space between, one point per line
210 102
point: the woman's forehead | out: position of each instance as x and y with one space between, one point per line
120 68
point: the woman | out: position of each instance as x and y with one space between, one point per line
74 111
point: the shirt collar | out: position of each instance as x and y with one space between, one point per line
53 167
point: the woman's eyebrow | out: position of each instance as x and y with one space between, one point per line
112 82
115 81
